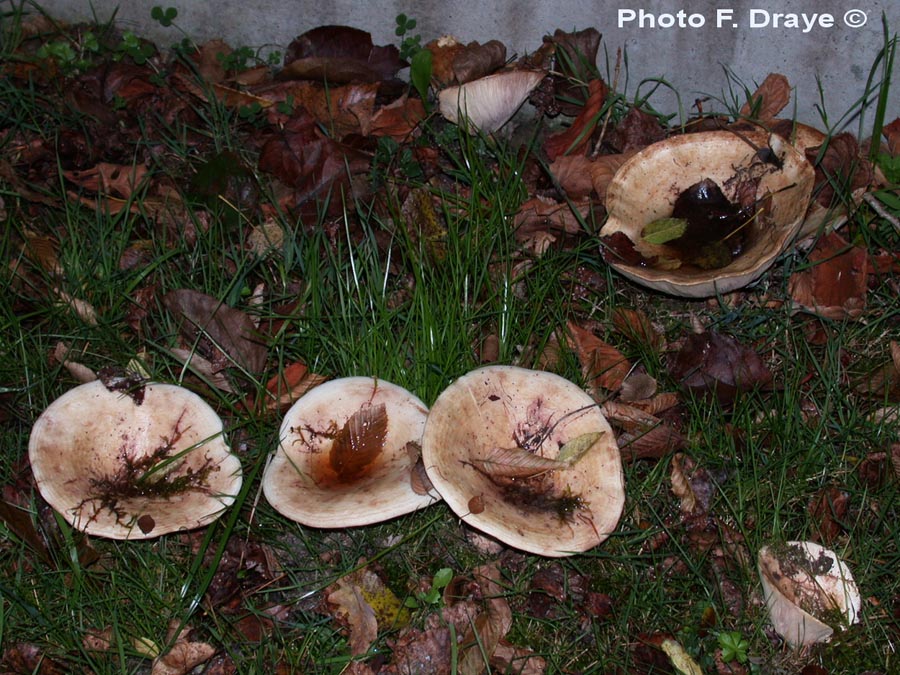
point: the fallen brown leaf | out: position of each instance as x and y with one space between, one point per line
711 364
692 485
577 137
603 365
230 329
834 285
637 327
340 54
827 510
636 131
769 99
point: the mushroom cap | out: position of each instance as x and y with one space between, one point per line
486 104
645 188
300 481
819 218
117 468
802 580
555 513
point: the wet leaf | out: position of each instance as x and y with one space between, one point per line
828 511
838 162
300 156
340 54
664 230
362 602
711 364
359 442
230 329
516 463
769 99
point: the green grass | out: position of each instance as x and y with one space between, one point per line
359 292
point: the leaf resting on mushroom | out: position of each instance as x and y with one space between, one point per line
578 447
515 463
359 442
663 230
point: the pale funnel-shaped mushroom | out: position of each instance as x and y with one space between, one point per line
498 446
776 178
808 590
133 464
346 453
486 104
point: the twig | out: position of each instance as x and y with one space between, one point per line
615 87
872 201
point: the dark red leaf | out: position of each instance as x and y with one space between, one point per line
711 364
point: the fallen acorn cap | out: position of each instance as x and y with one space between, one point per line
490 422
343 457
486 104
133 464
645 189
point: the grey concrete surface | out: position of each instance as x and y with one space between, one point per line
690 44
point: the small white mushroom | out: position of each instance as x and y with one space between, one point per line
486 104
133 464
808 591
480 433
343 458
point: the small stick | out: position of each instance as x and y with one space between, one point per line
872 201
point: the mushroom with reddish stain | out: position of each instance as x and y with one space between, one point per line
492 447
133 464
343 456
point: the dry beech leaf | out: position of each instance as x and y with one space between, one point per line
692 486
657 404
603 168
352 609
834 285
769 99
359 442
213 374
77 370
892 134
182 658
516 463
637 327
574 173
603 365
653 443
489 627
575 139
628 416
290 384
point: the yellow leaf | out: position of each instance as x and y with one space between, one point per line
680 659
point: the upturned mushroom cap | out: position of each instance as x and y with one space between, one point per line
554 513
645 188
802 583
486 104
117 468
343 458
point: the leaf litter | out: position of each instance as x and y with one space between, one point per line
318 126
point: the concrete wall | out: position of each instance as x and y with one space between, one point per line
827 42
